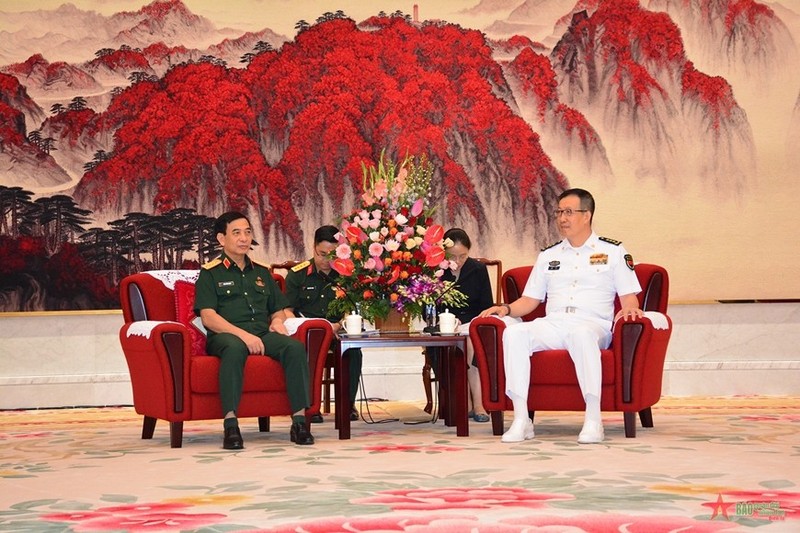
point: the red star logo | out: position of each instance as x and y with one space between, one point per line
719 507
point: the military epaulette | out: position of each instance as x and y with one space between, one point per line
611 241
554 244
300 266
211 264
259 263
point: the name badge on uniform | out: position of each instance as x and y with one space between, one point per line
259 281
225 284
598 259
554 265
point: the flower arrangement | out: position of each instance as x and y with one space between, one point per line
390 253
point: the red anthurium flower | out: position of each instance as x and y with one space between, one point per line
434 256
395 275
355 234
345 267
435 233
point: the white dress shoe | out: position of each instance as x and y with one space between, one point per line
592 433
519 431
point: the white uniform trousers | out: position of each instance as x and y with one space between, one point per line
583 337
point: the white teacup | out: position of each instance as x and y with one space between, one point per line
447 322
352 324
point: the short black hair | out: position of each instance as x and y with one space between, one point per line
586 198
222 221
326 234
458 235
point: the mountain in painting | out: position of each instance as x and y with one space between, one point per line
626 68
60 77
71 34
29 157
536 18
729 37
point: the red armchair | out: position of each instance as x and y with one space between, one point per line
173 379
632 366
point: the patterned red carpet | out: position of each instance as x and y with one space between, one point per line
709 464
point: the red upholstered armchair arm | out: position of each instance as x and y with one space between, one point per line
158 353
316 335
486 335
640 347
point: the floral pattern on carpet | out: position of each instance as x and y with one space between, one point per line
709 464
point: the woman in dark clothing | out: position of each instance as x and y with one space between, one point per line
472 279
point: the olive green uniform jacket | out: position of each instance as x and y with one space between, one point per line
247 298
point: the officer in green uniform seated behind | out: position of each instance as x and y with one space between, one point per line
309 289
242 307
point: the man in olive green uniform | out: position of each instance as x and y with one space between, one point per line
241 306
310 288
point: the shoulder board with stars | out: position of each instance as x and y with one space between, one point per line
300 266
611 241
554 244
259 263
211 264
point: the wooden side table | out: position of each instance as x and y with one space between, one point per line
454 349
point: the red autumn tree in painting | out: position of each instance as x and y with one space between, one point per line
284 139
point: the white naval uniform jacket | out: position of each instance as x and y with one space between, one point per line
583 281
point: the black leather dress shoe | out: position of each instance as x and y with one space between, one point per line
233 439
317 418
300 434
353 414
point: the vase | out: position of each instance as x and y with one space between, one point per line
393 323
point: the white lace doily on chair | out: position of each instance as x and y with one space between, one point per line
143 328
169 277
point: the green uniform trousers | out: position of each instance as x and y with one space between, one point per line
233 353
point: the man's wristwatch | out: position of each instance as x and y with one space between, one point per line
508 309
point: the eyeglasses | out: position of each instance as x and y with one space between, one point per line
568 212
460 258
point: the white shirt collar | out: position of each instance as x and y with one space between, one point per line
591 242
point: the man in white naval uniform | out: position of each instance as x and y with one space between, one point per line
580 276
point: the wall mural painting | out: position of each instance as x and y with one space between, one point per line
124 132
